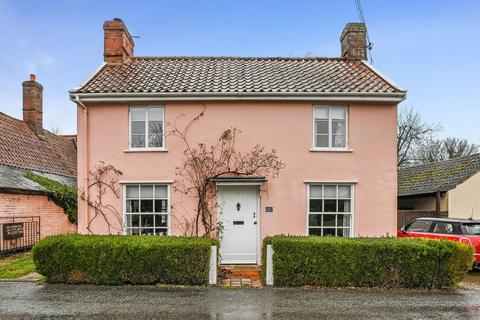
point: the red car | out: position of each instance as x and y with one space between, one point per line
462 230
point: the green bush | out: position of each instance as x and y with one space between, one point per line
61 194
119 259
367 262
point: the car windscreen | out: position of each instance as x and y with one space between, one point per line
472 228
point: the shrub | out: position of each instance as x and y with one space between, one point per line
367 262
118 259
61 194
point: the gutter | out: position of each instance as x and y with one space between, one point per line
264 96
22 191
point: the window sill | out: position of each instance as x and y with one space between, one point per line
329 150
145 150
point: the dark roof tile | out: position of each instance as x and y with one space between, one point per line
237 75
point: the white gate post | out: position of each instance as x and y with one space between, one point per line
212 278
269 265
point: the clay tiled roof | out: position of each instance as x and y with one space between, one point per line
436 176
20 147
233 75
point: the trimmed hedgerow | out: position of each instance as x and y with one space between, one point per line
367 262
115 260
63 195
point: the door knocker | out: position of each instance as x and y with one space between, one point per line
238 206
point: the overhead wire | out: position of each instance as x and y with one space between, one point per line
361 16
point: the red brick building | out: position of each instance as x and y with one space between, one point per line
26 146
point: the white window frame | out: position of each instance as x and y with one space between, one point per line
124 203
146 148
314 132
352 204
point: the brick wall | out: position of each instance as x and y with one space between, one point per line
52 218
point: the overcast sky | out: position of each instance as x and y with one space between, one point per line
431 48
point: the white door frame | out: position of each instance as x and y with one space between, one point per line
255 185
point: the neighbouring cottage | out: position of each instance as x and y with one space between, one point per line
25 146
446 188
332 122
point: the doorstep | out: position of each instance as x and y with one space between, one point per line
239 276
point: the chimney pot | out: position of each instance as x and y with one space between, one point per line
353 41
118 43
33 104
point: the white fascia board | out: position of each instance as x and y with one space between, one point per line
334 96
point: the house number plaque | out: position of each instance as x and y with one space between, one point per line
268 209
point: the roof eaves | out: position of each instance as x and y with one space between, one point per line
384 77
90 77
422 192
395 97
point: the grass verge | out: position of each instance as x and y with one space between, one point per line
16 266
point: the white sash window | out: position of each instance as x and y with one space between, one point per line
330 127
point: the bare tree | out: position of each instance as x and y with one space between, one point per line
103 179
56 130
435 150
412 131
456 147
431 150
202 163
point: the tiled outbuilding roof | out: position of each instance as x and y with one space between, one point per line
437 176
235 75
20 147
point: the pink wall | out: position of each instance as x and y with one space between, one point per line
285 126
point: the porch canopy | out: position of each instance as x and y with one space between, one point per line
248 181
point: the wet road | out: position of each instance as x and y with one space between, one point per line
32 301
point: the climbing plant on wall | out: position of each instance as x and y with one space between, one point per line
61 194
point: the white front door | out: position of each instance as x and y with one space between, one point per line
238 213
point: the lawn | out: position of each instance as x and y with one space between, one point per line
16 265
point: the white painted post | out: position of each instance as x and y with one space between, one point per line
212 278
269 265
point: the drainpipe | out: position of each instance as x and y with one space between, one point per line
85 148
437 203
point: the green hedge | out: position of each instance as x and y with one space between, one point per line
367 262
117 260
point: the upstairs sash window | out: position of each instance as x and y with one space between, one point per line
146 128
330 127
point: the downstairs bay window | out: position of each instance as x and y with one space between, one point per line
330 209
146 209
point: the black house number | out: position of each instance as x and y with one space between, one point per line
268 209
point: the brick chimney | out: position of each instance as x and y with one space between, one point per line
118 43
32 104
354 41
